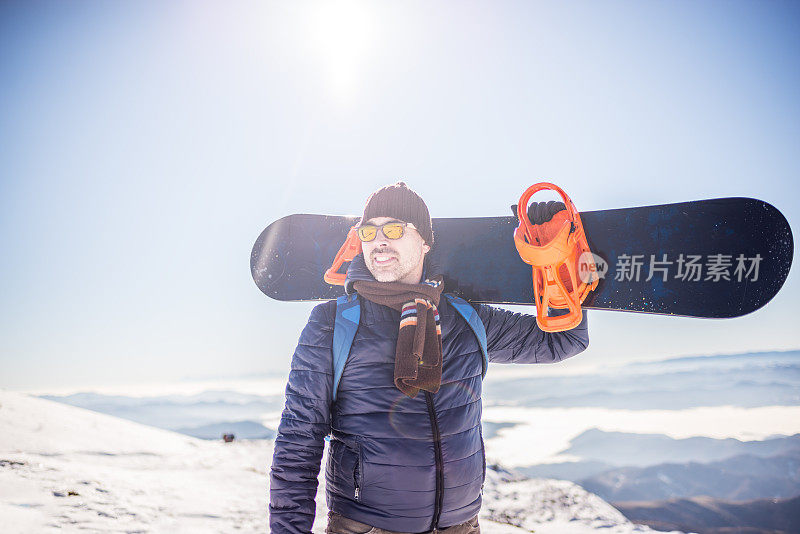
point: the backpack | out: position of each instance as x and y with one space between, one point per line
348 313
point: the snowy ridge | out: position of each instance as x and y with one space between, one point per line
66 469
549 506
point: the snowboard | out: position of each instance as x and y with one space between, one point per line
713 258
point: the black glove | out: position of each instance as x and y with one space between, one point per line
541 212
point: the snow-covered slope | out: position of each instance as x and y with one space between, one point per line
547 506
125 476
66 469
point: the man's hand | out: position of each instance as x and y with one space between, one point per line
541 212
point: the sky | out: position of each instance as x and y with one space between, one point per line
145 145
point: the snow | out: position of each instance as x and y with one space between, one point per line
66 469
128 477
548 506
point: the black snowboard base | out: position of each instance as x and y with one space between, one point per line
710 258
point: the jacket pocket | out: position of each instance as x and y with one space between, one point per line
483 457
358 470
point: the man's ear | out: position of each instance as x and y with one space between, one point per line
425 248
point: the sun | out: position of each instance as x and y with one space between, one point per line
344 32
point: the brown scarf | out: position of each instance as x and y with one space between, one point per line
418 356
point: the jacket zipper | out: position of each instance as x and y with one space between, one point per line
437 447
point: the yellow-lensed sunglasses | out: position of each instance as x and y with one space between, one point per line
392 230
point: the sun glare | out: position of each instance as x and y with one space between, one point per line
343 31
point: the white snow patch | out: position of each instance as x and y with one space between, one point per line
547 506
66 469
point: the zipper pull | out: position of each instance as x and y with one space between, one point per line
357 492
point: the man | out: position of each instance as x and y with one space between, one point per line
406 448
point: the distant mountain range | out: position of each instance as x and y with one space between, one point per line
626 449
183 413
641 467
746 380
705 515
739 478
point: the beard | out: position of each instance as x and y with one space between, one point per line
396 270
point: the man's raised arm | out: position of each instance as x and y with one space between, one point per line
516 338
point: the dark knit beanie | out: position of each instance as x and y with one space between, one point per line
400 202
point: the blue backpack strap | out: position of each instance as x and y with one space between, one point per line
474 321
348 313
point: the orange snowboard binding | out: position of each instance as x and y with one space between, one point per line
564 271
349 250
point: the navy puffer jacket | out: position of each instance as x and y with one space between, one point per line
395 463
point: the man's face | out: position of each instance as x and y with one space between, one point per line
395 260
